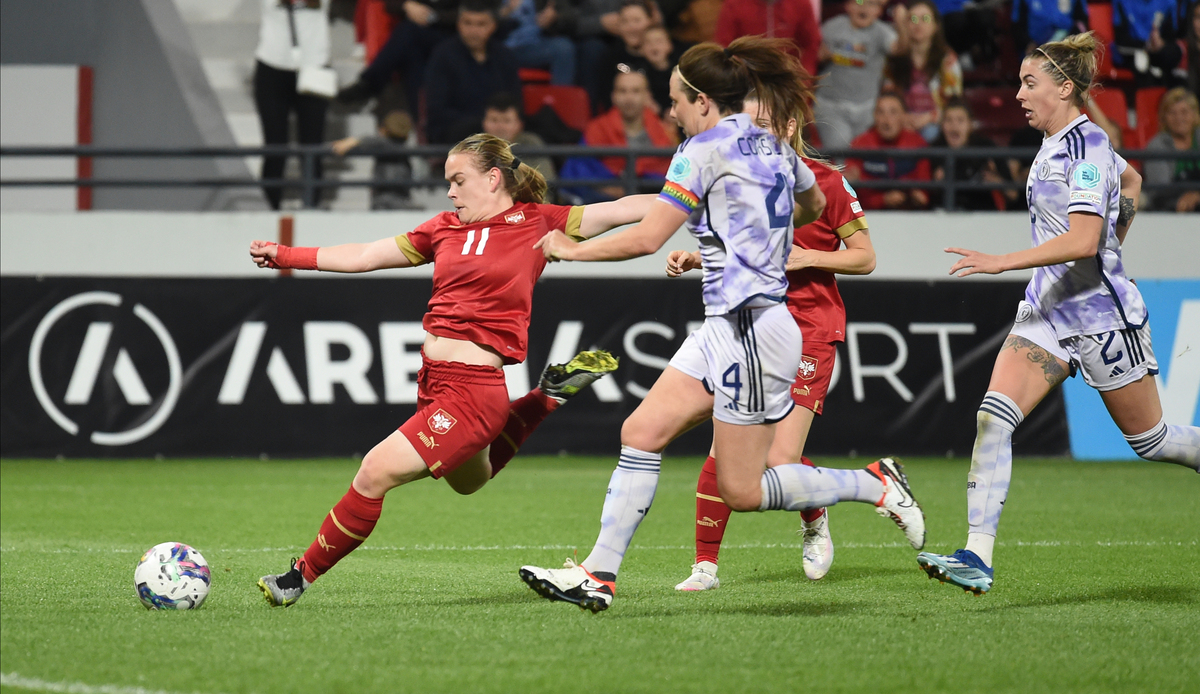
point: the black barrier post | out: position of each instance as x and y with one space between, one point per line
629 175
949 178
308 167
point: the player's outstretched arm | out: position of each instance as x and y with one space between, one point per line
857 258
809 206
1081 241
347 257
644 238
604 216
1131 192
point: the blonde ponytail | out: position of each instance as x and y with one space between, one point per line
523 182
1074 59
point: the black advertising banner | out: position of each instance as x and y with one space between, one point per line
296 368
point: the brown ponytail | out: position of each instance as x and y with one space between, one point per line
750 64
523 182
1074 59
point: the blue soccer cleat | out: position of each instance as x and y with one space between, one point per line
964 569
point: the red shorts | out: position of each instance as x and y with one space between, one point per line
814 375
461 409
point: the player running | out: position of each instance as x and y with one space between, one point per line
732 183
465 431
1080 310
816 306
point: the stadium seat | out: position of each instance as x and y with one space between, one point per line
1146 106
570 103
1100 21
1112 102
996 110
532 75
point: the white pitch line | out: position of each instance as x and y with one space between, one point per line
566 547
16 681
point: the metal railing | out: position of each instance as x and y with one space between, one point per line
310 186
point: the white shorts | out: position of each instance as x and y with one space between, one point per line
1108 361
747 360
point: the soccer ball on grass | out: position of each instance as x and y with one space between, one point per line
172 576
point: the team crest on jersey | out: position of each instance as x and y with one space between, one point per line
515 218
1024 312
1087 175
679 170
1044 171
808 368
849 188
440 422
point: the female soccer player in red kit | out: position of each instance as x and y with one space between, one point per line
816 305
464 430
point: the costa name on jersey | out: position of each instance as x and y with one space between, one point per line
737 183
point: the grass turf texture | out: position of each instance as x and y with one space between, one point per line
1096 586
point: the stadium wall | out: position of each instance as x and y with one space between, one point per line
149 90
141 334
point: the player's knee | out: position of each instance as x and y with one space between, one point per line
741 497
638 433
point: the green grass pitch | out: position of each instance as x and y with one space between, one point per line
1097 586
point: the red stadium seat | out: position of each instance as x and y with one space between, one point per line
1100 21
570 103
997 112
532 75
1112 102
378 27
1146 105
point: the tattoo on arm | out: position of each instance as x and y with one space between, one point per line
1127 209
1052 368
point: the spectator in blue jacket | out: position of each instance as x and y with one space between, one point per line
531 42
1147 34
1037 21
464 72
970 30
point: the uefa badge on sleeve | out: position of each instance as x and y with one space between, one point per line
1087 175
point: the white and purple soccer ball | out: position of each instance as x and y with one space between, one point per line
172 576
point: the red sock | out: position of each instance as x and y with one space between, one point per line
711 514
344 529
524 416
813 513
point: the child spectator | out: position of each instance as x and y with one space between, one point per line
1147 33
659 57
1039 21
631 122
636 16
889 132
928 74
854 47
503 119
785 19
531 43
464 72
1179 120
1026 138
957 132
394 129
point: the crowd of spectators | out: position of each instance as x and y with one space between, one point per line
890 74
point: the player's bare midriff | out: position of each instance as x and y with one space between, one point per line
462 351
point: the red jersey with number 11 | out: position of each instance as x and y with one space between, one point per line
812 294
484 273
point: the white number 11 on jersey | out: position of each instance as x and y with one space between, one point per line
483 237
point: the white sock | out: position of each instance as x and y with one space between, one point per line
630 493
1168 443
991 463
981 545
800 487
